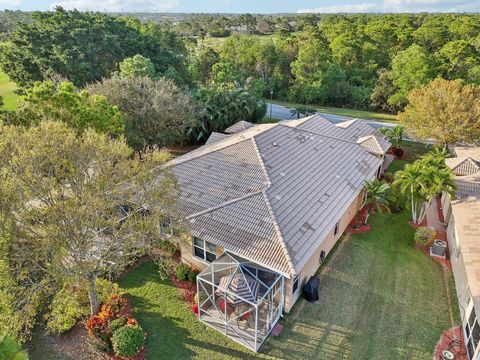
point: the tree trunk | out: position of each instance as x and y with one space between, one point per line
93 295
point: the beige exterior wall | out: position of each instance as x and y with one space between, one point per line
313 263
186 248
310 268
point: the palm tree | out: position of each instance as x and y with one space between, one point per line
378 194
395 134
421 181
302 110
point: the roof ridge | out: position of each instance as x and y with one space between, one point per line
226 203
319 134
217 146
283 245
262 164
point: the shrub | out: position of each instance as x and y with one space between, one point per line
398 152
117 303
95 325
424 236
118 323
167 247
128 340
166 268
71 304
388 177
182 271
192 275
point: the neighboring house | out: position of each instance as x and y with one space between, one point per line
462 216
275 198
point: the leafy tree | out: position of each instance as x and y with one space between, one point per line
10 349
157 112
459 59
411 68
202 63
46 101
421 181
445 111
377 194
83 47
137 66
383 90
75 207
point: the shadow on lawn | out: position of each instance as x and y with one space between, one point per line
171 337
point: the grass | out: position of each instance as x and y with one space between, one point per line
173 331
371 115
379 298
6 91
414 150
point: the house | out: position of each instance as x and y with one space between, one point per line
265 205
462 216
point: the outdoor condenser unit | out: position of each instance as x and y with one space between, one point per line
439 248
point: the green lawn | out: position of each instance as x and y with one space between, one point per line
345 112
6 91
414 150
379 298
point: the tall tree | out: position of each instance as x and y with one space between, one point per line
78 206
445 111
421 181
46 101
137 66
83 47
411 68
156 112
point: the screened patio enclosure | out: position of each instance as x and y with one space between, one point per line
241 299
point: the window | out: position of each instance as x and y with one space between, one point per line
337 227
295 284
204 250
322 256
472 332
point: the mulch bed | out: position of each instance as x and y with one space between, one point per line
358 225
452 340
187 288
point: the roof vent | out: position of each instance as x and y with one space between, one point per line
282 174
278 197
275 144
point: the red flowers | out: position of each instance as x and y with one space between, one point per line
95 325
132 322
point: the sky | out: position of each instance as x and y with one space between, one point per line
251 6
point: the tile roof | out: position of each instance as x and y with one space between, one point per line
239 126
215 137
271 193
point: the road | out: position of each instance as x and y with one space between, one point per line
282 112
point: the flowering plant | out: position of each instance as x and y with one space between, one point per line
132 322
95 325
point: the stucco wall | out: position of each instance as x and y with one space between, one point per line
313 263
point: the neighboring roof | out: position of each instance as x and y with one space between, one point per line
465 151
215 137
463 165
239 126
466 213
466 167
272 192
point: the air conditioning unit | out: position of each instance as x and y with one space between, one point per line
439 248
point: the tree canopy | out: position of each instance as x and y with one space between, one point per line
137 66
445 111
157 112
47 101
72 208
84 47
